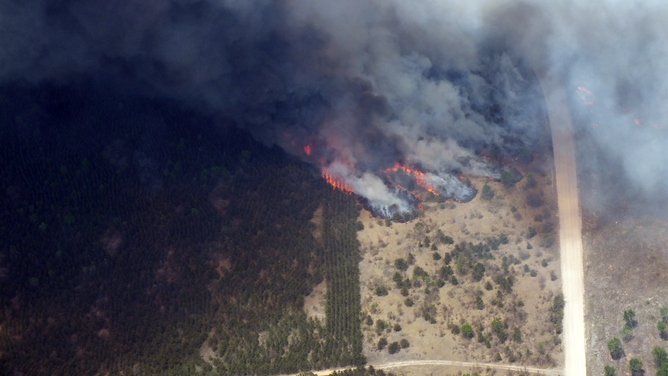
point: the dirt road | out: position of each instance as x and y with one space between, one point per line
412 363
570 233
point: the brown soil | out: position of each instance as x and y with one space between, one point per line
470 222
626 267
314 303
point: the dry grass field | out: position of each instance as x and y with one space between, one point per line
433 323
626 268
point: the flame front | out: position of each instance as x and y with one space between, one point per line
420 177
307 149
336 183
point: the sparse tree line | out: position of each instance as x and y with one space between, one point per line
359 371
636 367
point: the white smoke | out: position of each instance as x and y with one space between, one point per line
371 81
383 198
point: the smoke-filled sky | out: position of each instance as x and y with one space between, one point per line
367 83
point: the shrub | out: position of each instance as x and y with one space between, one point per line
467 331
609 371
380 326
488 286
479 304
660 356
419 272
534 200
487 192
397 328
497 325
502 335
408 302
615 348
557 313
401 264
627 333
531 232
398 280
507 178
481 337
404 343
382 343
454 281
437 256
630 318
394 348
478 272
635 366
359 226
381 291
663 371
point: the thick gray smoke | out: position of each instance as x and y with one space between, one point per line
358 85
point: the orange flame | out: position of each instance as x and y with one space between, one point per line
307 149
420 177
336 183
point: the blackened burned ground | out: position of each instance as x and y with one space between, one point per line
394 212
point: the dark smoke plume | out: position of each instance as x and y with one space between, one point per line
357 86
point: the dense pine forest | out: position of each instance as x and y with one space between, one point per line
136 233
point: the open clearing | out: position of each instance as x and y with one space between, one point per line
532 264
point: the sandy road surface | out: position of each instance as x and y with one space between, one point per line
570 220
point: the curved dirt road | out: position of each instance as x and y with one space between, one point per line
413 363
505 367
570 225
